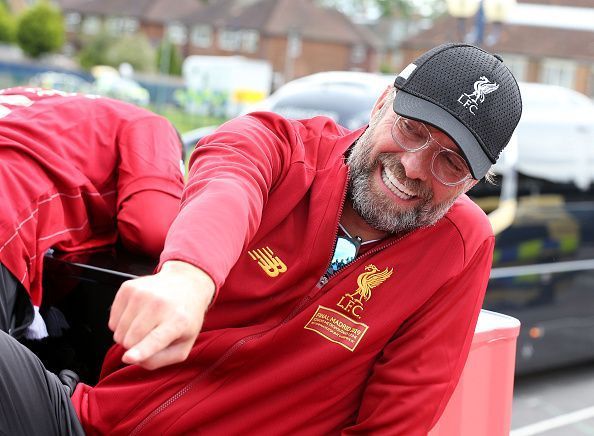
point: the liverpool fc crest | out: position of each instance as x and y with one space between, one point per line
353 303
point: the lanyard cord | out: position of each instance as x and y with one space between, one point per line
357 237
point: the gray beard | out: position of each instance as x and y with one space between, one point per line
374 206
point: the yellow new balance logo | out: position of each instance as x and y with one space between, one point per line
270 263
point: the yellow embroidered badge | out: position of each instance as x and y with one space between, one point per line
353 303
271 264
336 327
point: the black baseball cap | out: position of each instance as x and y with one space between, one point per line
466 92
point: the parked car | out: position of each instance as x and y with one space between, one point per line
61 81
109 83
121 88
191 138
542 211
345 96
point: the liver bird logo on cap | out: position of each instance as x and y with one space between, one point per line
482 87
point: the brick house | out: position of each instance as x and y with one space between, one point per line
297 37
548 41
89 17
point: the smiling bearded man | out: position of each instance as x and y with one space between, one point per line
376 208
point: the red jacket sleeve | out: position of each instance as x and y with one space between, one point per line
231 173
142 235
418 371
150 183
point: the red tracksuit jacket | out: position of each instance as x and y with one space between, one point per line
376 349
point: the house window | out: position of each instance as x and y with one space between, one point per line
72 21
518 65
121 25
201 36
177 33
558 72
358 54
91 25
396 60
229 40
250 40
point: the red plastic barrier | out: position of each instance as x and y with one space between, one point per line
482 401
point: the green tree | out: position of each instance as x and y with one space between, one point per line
106 49
387 8
169 59
40 30
95 49
7 25
401 8
135 49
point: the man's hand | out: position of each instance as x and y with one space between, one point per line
157 318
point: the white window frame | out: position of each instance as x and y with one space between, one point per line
177 33
517 64
358 54
121 25
72 22
250 40
201 36
229 40
91 25
559 72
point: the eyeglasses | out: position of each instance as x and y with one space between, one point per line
447 166
345 252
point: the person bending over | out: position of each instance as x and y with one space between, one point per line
77 172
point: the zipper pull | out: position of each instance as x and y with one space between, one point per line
323 280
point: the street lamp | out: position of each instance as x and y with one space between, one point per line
495 11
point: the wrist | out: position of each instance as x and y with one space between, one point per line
190 274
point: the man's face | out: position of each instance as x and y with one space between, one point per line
394 190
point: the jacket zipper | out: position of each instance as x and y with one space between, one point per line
324 279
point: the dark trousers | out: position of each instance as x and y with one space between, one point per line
16 310
33 401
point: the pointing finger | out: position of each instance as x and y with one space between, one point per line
154 342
